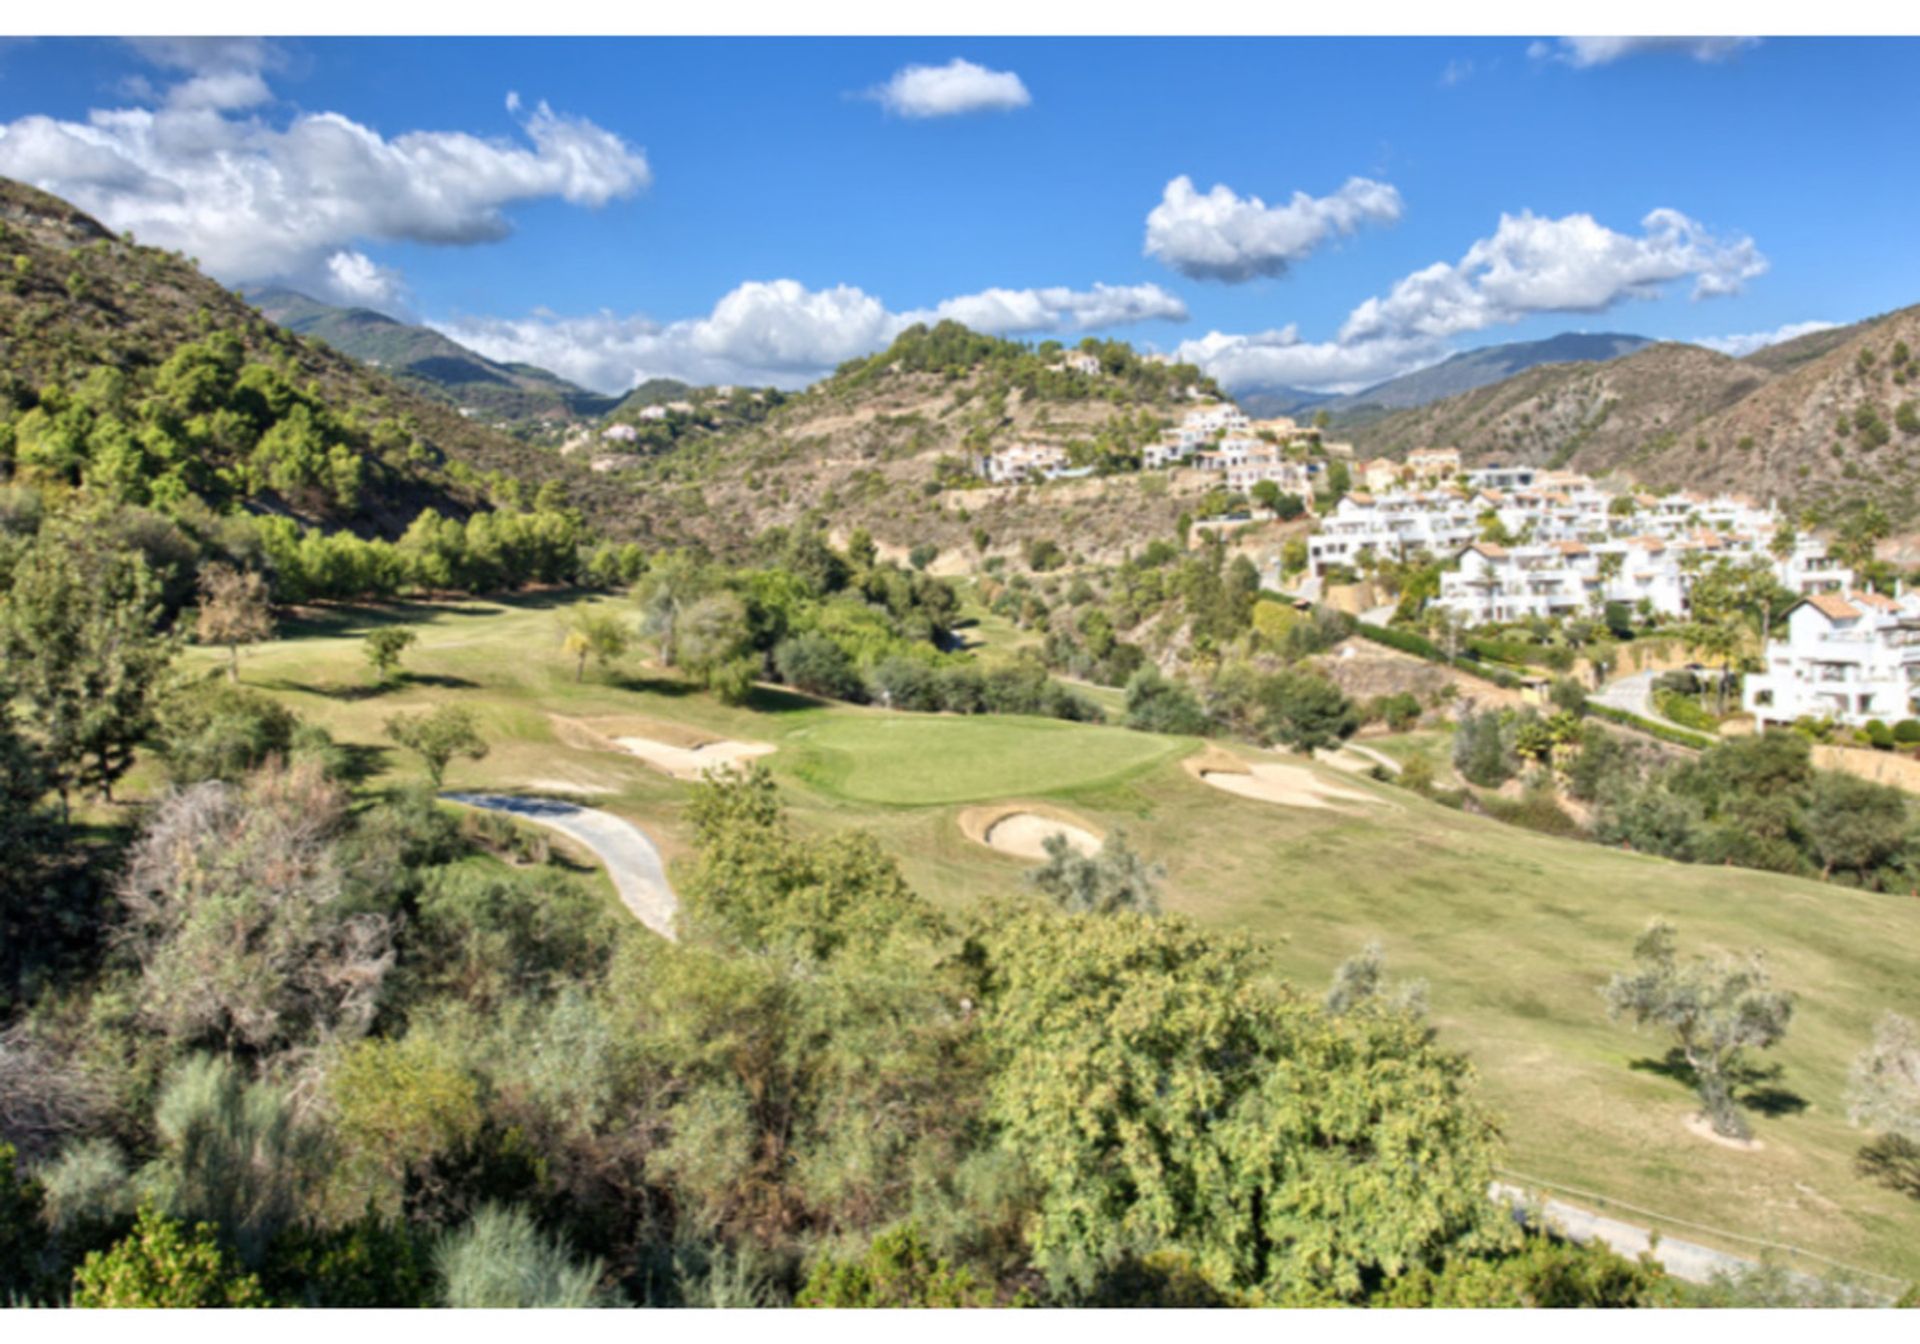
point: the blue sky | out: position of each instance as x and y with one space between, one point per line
753 211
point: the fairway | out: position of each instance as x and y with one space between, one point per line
913 760
1513 932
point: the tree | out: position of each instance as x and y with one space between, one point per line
1883 1086
1307 712
816 664
162 1263
1716 1009
665 594
1854 824
1156 704
1163 1096
438 736
234 609
1717 640
595 635
501 1259
1112 879
80 641
383 648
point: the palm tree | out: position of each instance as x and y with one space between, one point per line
1719 639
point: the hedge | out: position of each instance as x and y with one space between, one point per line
1680 737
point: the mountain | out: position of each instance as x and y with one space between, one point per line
1462 373
124 368
1821 422
435 364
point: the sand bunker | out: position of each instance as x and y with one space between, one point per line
1023 831
1270 781
671 748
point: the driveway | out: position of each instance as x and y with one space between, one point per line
622 848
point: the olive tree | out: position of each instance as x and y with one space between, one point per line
438 736
1883 1087
383 649
1114 878
1715 1008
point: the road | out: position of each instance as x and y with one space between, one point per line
622 848
1634 694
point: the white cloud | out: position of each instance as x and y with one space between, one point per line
1585 52
950 90
1224 236
1531 265
355 278
1573 264
1281 359
258 202
1457 72
1746 343
1008 312
782 333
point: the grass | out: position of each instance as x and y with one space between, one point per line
1514 932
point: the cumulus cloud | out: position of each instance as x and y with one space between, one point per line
1746 343
780 332
1280 358
1010 312
355 278
1585 52
1573 264
951 90
1531 265
256 202
1223 236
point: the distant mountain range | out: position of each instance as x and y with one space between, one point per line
1462 373
1824 421
432 363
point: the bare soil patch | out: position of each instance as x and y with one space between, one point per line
1022 829
1700 1127
672 748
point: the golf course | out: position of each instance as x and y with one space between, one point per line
1514 933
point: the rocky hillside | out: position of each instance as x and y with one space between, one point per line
122 360
890 443
1819 422
435 365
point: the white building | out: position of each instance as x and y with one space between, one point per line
620 433
1024 462
1397 526
1850 657
1077 361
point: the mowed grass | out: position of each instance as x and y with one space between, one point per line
1515 933
908 760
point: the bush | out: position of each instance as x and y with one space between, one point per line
217 730
817 665
898 1270
1157 705
1399 711
1907 732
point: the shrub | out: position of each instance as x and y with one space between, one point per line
1157 705
217 730
898 1270
1907 732
816 664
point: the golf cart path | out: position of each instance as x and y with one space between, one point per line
623 848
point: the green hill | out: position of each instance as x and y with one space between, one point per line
434 364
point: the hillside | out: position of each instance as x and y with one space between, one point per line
119 360
1816 422
891 443
433 364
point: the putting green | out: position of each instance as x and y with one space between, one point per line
921 759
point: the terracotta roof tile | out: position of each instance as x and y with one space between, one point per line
1833 605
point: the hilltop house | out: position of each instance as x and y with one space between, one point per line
1024 462
1379 475
1848 656
1078 361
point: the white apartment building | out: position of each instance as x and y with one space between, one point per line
1392 526
1432 466
1848 656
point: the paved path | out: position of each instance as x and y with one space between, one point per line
1683 1259
630 858
1634 694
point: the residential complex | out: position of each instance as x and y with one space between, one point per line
1851 656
